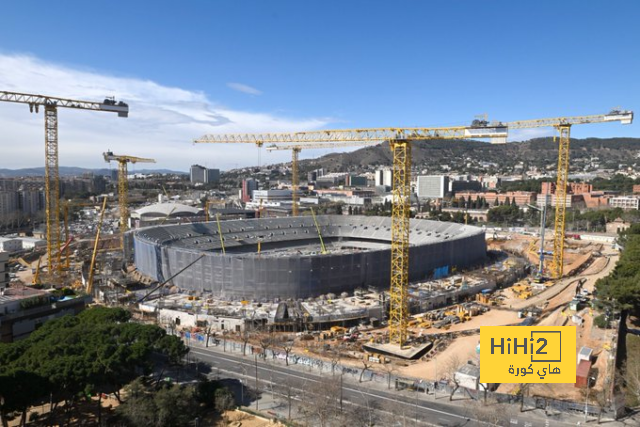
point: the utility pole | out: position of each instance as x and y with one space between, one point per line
341 389
256 359
435 385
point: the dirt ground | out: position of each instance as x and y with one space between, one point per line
494 317
558 297
243 419
462 348
588 336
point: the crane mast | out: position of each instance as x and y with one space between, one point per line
400 142
51 171
123 183
563 126
295 152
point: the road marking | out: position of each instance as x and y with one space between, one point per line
285 372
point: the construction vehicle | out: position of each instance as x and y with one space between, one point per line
220 235
68 237
338 330
323 248
123 183
36 275
400 143
52 175
522 291
95 249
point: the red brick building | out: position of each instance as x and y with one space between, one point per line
572 188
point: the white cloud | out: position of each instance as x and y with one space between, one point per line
162 121
244 88
527 134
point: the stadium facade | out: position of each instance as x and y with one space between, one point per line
290 264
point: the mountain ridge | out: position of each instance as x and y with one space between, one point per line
539 152
70 171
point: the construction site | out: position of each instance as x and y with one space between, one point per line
393 294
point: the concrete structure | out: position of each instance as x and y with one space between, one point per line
290 264
23 310
636 189
10 245
432 186
468 376
383 177
617 226
355 181
32 243
571 200
249 185
625 202
271 195
4 271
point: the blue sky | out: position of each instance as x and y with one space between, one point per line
194 67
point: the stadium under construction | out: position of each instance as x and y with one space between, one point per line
283 258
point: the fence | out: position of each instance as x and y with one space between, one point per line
398 382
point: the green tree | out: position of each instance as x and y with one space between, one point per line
98 351
621 288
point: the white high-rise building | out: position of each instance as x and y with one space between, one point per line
384 177
432 186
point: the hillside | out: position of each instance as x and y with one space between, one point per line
539 152
74 171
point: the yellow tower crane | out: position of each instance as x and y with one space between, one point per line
123 183
51 173
295 152
563 125
400 144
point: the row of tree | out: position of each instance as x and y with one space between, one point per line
621 288
72 358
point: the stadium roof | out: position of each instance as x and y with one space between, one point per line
171 210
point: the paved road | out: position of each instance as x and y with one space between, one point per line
407 406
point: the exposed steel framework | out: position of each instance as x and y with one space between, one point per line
401 205
295 153
399 139
52 176
123 183
563 125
